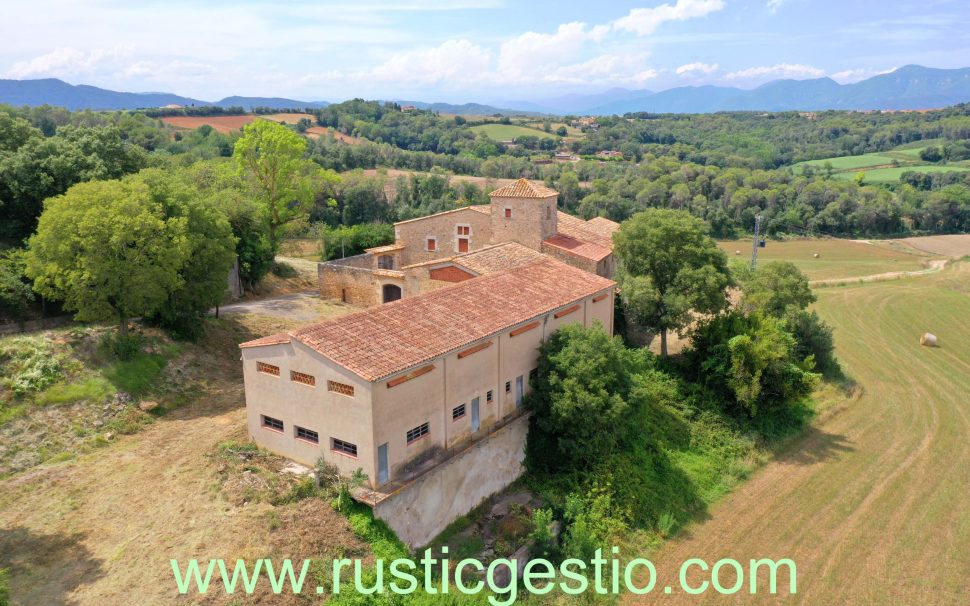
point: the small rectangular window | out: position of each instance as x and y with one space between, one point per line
432 245
267 369
341 388
508 213
343 447
271 423
464 230
488 396
458 412
418 432
308 435
508 387
300 377
533 374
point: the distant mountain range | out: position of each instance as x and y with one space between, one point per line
910 87
51 91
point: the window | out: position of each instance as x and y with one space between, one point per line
488 396
267 369
533 374
341 388
508 387
508 213
271 423
307 435
457 412
548 213
464 230
418 432
304 378
432 244
343 447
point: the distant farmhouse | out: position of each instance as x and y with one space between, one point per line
423 391
521 223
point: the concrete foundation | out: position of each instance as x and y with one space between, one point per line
419 510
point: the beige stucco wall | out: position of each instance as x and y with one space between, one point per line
443 226
533 220
422 509
379 414
330 414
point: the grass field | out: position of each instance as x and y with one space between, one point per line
871 503
883 167
228 124
507 132
891 175
837 258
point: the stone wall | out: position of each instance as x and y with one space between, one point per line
349 280
532 221
571 259
421 509
443 227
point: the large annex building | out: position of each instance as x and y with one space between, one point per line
522 222
424 391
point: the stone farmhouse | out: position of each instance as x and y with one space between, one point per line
521 223
425 394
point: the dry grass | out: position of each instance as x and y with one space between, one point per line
837 258
323 131
98 528
947 246
871 504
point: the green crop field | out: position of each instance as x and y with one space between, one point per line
507 132
871 503
891 175
837 258
847 162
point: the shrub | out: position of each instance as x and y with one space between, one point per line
346 241
29 365
592 524
4 588
327 474
283 270
122 346
813 337
543 540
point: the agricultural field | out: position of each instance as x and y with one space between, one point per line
882 167
228 124
892 174
871 503
507 132
836 258
323 131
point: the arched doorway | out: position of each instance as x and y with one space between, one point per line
391 292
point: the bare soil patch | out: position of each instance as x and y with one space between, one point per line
222 124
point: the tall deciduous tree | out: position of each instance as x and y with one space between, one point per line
271 155
670 267
776 288
106 249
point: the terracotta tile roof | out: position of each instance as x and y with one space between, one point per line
485 209
603 226
586 231
270 340
496 258
463 209
523 188
394 337
388 248
579 248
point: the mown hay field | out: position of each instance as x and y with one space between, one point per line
836 258
871 504
508 132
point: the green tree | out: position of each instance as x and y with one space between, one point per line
271 155
669 268
107 250
578 398
561 131
776 288
15 292
211 245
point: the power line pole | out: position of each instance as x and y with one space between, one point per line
754 244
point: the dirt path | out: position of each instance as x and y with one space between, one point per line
872 503
935 265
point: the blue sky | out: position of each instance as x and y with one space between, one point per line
469 50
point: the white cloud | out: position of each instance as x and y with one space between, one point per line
854 75
453 61
530 52
67 62
774 5
692 69
644 21
780 70
604 69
